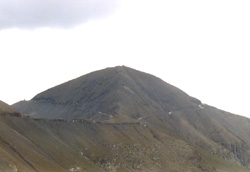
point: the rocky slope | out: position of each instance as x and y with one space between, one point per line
100 95
124 95
5 109
43 145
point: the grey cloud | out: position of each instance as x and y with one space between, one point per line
52 13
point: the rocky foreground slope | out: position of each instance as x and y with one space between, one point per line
43 145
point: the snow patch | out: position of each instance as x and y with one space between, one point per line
200 106
111 116
104 113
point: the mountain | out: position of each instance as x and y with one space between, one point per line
122 95
119 92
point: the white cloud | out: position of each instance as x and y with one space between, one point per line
52 13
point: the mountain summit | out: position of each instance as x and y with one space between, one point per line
118 92
124 95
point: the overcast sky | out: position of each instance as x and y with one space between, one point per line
202 47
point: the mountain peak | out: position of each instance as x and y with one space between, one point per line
124 97
120 92
121 95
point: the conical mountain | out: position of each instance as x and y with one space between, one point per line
125 95
108 93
